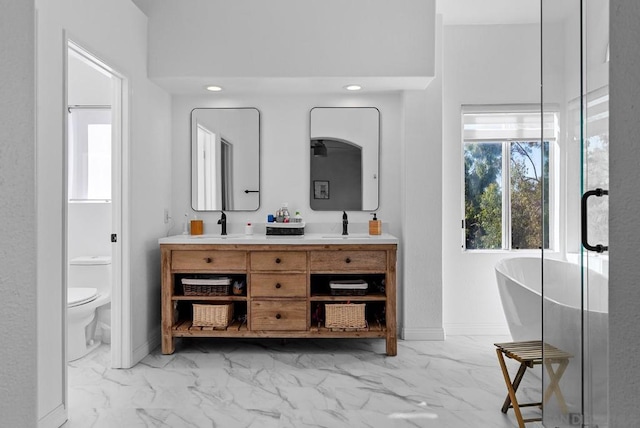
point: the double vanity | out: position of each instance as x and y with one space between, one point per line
281 286
286 285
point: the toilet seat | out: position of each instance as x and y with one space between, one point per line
77 296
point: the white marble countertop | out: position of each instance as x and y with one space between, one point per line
259 239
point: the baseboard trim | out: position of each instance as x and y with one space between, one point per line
55 418
143 350
422 334
476 330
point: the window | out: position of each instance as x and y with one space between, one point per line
506 178
89 154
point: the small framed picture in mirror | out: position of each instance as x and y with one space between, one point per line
320 189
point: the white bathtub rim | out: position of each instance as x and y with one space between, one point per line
502 269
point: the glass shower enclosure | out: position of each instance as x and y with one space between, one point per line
575 83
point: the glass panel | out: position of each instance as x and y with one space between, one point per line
562 326
595 146
527 178
483 195
575 291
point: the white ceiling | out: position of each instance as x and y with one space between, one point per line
463 12
143 5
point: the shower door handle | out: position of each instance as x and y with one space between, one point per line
583 212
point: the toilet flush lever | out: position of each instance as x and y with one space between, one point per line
114 237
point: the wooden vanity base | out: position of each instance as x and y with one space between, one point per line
286 289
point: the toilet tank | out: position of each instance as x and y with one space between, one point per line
90 271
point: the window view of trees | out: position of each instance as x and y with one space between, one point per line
483 195
526 215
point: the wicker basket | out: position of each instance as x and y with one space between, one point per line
204 287
349 315
212 315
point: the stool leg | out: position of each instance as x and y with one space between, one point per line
512 392
516 384
554 385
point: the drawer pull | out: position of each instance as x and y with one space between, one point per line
278 316
278 260
208 259
347 260
278 285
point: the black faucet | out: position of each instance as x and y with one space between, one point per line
345 222
223 222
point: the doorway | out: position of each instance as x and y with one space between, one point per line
96 189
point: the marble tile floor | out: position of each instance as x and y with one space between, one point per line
234 383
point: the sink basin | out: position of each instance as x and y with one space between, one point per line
350 236
230 236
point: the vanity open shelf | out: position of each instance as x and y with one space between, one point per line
286 288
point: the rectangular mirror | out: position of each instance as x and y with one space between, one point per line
225 159
344 152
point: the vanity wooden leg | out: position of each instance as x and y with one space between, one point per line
392 339
168 345
392 346
168 313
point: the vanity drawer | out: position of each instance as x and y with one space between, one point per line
278 315
214 261
278 285
341 261
279 261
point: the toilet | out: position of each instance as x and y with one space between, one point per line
88 304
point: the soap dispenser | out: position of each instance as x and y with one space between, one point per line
185 225
375 226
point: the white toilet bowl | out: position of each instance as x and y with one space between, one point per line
81 325
88 289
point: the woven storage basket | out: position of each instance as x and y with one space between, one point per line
212 315
203 287
345 315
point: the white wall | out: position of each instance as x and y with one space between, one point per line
285 156
88 86
484 64
494 64
18 380
291 39
421 189
624 276
114 31
89 229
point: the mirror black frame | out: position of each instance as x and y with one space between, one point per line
317 147
259 158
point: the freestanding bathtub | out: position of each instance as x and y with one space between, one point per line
520 282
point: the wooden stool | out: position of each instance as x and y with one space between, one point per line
529 354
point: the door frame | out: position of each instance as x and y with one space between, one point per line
121 346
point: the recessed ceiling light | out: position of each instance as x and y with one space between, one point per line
214 88
353 87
